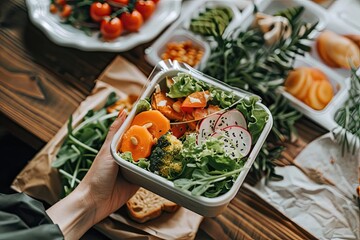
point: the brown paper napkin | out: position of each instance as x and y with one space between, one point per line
41 181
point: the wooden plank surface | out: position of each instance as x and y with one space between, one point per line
47 84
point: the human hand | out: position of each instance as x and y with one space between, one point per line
102 191
108 190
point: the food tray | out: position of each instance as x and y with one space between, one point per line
340 28
153 54
339 78
159 185
180 31
312 14
324 117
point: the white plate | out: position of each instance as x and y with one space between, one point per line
66 35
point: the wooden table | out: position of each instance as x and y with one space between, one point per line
41 84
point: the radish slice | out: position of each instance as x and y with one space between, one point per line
206 127
231 118
236 139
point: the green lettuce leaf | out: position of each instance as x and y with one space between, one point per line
184 85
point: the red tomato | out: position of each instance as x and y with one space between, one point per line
132 21
99 10
178 129
66 11
145 8
60 2
155 1
111 28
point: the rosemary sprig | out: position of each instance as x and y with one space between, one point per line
243 61
348 118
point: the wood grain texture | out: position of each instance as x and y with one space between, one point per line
66 76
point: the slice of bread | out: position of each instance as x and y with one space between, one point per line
146 205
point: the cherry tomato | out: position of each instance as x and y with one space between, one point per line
118 3
60 2
53 8
111 28
99 10
178 130
155 1
145 8
132 21
66 11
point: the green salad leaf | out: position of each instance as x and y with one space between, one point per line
209 170
256 117
184 85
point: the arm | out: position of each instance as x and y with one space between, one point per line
100 193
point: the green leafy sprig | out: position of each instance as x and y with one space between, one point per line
82 144
348 118
243 60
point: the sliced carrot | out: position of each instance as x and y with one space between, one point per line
196 100
213 109
312 98
137 140
178 130
165 105
317 74
154 120
325 92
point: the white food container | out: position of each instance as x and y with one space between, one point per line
179 31
205 206
340 28
324 117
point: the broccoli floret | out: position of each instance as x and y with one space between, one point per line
164 158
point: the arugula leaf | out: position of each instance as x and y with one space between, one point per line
209 170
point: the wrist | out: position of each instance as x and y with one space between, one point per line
74 214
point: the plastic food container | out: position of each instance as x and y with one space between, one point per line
324 117
153 54
312 14
159 185
340 28
179 31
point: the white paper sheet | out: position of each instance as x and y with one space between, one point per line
326 211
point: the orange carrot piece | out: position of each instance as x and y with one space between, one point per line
156 122
196 100
137 140
165 105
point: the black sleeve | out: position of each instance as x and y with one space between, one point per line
22 217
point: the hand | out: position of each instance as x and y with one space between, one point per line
100 193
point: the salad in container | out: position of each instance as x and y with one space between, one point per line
190 138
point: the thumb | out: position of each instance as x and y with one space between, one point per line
116 125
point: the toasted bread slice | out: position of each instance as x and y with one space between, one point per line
145 205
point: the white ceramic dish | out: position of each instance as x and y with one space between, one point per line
66 35
153 53
340 28
202 205
323 117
